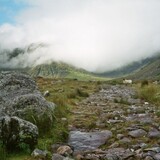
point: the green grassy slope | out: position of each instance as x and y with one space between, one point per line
63 70
148 68
149 71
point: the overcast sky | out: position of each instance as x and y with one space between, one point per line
97 35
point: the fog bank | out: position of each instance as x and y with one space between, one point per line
97 35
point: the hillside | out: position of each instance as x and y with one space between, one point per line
150 71
13 60
63 70
148 68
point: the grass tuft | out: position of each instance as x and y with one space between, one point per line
144 83
3 153
150 93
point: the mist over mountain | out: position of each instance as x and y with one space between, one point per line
94 35
134 67
21 57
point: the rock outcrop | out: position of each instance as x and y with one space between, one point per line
20 97
19 93
22 104
15 131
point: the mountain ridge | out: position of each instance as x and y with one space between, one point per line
148 68
62 70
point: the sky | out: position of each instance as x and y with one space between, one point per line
97 35
9 9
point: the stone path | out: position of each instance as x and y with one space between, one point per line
114 125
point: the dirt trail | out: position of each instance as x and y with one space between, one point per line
113 124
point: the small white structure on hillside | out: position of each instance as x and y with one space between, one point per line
127 81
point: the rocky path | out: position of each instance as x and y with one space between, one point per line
114 125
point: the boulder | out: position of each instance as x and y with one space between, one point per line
65 150
37 153
20 97
57 157
154 133
82 141
15 132
46 93
137 133
60 157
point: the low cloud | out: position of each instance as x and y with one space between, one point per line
95 35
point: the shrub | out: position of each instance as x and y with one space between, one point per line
158 113
81 93
99 82
60 100
144 83
43 122
124 101
71 95
24 147
115 100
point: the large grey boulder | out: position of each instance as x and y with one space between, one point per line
15 132
19 96
82 141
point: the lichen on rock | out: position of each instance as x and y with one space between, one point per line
15 131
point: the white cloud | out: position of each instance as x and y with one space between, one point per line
97 35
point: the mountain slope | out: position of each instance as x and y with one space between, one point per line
11 60
148 68
60 69
149 71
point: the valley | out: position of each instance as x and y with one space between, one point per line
96 116
147 68
101 120
144 68
79 80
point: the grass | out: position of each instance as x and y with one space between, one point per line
40 121
3 153
122 101
144 83
84 76
60 69
65 93
150 93
18 156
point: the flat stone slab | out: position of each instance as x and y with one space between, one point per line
154 133
137 133
118 153
82 141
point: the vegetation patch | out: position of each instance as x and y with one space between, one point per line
150 93
65 93
144 83
3 153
